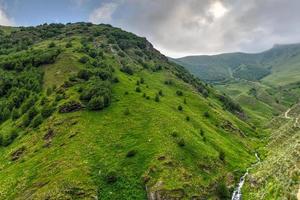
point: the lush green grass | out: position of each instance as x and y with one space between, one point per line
135 143
277 176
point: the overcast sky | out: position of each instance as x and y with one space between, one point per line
175 27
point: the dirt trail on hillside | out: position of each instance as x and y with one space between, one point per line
295 125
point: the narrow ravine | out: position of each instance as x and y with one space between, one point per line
237 193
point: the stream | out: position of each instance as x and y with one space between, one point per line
237 193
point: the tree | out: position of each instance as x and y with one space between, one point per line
160 92
84 74
15 114
138 89
181 142
180 108
51 45
96 103
84 59
206 114
179 93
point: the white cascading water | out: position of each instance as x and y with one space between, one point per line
237 193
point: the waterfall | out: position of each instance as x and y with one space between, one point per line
237 193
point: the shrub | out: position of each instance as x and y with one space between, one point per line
201 132
160 92
181 142
116 80
26 120
11 138
15 114
49 91
93 53
131 153
138 89
127 70
126 112
187 118
168 82
111 177
84 59
37 121
69 44
180 108
157 98
184 101
51 45
126 93
84 74
96 103
206 114
137 82
230 105
179 93
142 80
32 112
174 134
47 111
222 191
222 155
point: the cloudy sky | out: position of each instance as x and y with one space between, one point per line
175 27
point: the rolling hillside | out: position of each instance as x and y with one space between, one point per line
267 86
93 112
277 66
268 80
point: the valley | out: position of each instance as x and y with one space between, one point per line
271 102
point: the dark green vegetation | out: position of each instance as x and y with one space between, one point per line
265 85
90 111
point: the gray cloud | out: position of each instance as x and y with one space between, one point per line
4 19
180 28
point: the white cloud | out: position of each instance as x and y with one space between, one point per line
104 13
179 28
217 9
4 19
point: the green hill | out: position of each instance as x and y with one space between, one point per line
277 66
269 80
93 112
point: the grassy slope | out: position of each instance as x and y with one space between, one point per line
278 174
86 145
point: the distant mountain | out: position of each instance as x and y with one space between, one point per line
279 65
269 80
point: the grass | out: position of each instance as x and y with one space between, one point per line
86 157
